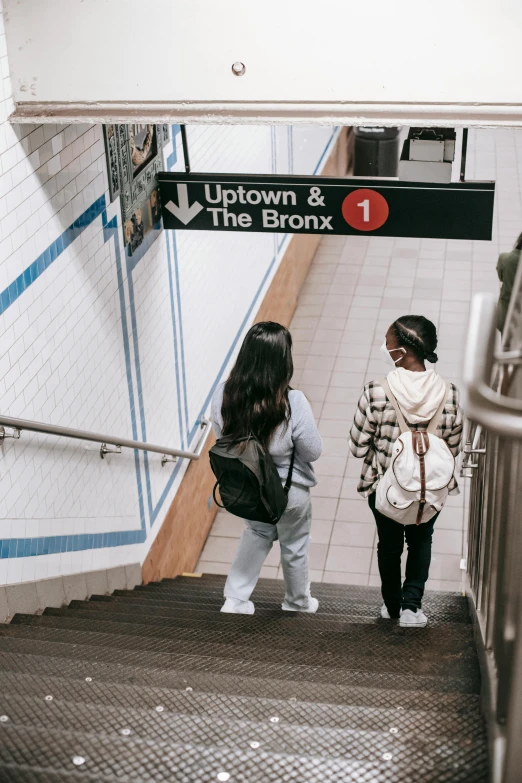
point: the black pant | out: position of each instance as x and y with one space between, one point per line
389 551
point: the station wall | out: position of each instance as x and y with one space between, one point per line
93 339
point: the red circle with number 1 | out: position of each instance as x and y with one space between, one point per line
365 209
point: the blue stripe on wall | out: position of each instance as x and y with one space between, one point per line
50 254
51 545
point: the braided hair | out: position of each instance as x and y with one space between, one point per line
419 334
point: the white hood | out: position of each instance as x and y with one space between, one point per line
419 394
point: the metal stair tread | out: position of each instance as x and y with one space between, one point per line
244 628
350 649
273 609
467 682
269 586
256 709
352 594
331 609
169 761
320 590
337 682
298 621
419 747
12 773
217 581
394 693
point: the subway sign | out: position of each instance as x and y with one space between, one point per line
327 205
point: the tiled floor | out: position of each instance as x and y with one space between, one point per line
355 288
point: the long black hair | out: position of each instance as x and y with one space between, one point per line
418 334
255 398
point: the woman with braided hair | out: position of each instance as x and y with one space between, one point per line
410 342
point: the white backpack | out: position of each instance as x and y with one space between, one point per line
415 486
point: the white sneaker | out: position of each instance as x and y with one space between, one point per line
311 607
413 619
385 613
235 606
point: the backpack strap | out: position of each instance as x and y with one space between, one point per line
288 483
434 423
216 485
421 445
216 501
400 417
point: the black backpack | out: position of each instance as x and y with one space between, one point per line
249 484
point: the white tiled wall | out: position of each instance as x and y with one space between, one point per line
90 342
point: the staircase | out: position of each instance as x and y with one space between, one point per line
154 684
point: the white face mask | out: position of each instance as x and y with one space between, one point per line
387 355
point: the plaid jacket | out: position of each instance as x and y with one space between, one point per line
375 429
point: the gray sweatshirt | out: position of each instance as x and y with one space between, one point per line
301 432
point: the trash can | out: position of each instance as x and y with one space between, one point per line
376 152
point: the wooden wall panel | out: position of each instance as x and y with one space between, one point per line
187 524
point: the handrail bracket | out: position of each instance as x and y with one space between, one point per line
105 449
11 432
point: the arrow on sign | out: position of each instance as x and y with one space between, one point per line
183 212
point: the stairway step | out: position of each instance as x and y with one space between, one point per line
108 603
330 608
47 642
352 593
215 583
349 593
438 601
263 582
381 691
132 759
337 682
365 647
187 618
412 744
134 602
12 773
465 719
203 617
284 631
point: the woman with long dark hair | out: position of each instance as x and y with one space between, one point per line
257 399
418 395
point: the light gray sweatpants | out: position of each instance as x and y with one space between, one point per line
293 532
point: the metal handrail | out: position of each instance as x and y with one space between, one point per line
483 404
19 425
492 398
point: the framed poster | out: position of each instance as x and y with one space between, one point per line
134 159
